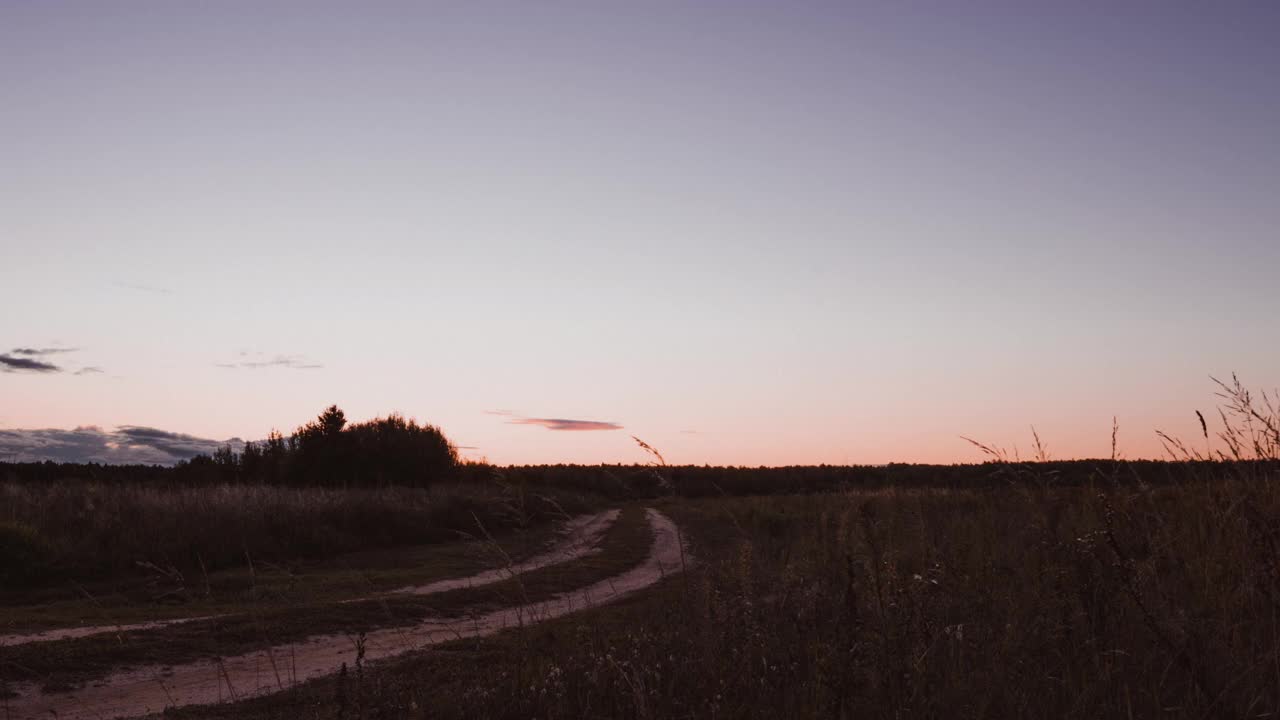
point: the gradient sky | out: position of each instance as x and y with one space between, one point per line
749 233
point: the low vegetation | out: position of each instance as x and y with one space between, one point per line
1113 600
1009 589
87 531
257 624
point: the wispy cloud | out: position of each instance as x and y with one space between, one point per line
566 424
38 352
554 423
128 444
257 362
9 363
34 360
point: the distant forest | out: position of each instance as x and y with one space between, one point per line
393 451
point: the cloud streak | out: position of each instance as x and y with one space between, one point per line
38 352
566 424
563 424
292 362
34 360
10 363
126 445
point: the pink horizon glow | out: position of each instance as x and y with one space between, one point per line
776 233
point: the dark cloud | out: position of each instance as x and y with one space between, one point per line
176 445
554 423
293 362
41 351
564 424
31 359
9 363
129 444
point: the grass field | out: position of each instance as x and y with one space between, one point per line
173 536
1132 590
1107 601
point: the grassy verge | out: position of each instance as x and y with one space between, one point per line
162 542
63 663
267 584
473 678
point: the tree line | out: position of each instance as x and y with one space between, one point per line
330 452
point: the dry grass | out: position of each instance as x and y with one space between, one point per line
1082 602
74 661
1140 591
84 530
1122 597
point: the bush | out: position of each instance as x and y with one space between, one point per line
25 557
327 452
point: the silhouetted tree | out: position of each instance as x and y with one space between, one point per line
330 423
227 462
383 451
395 451
320 456
251 463
275 458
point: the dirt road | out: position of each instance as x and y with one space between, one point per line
151 689
581 537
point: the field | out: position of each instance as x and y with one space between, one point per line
516 360
1008 589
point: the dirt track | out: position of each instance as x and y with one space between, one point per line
151 689
581 537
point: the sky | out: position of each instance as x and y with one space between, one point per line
747 233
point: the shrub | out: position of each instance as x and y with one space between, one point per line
25 556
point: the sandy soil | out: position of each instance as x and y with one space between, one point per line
151 689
